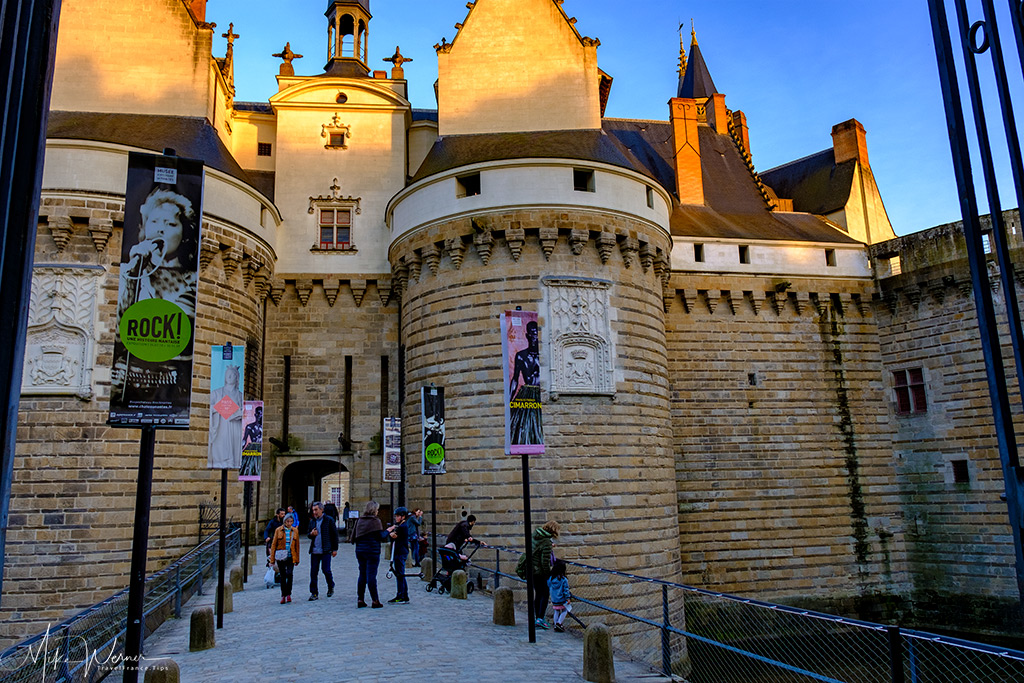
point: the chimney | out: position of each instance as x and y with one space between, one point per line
849 142
739 125
686 146
718 117
198 10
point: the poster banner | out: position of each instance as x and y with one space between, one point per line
432 406
520 355
392 434
252 441
151 377
226 407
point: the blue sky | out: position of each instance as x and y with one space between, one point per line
795 68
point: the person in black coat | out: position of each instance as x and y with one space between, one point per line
323 534
460 535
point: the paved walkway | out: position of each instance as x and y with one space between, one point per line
433 638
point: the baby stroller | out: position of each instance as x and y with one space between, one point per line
451 562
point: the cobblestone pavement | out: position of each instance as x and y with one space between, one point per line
431 639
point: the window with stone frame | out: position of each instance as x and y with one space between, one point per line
909 391
335 224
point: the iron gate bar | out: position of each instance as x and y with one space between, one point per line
987 328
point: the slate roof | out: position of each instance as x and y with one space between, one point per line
454 151
696 83
261 107
816 184
189 137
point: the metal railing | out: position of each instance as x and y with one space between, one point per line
86 647
704 637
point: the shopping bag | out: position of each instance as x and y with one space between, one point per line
269 576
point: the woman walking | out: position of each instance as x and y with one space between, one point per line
368 535
543 558
284 550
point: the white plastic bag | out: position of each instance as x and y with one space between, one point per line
268 578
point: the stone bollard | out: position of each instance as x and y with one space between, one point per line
200 636
163 671
459 580
254 562
598 663
427 567
236 579
504 607
229 598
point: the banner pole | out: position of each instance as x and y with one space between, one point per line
433 527
248 515
134 631
223 548
530 611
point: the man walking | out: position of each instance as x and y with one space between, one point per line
399 552
461 534
323 533
415 520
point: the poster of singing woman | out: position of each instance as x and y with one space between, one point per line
151 378
520 353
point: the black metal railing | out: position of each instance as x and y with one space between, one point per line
706 636
88 646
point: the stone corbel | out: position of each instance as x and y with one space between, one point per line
548 240
399 276
101 229
61 228
384 290
711 299
891 300
801 301
646 256
756 301
432 257
415 264
578 239
778 300
629 248
733 304
456 250
914 296
303 288
232 257
515 237
252 266
276 292
331 288
819 303
862 304
261 286
606 242
688 296
483 240
668 295
207 250
358 291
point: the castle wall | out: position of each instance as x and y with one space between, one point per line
607 473
958 539
317 322
160 62
783 456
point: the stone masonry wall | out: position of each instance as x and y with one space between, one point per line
607 473
73 494
958 539
783 455
318 322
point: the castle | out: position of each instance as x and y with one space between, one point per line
749 383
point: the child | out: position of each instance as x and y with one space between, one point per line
558 586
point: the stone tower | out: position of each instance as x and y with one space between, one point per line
348 34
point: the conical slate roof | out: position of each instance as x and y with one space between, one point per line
696 82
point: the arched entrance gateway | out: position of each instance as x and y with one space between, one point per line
306 481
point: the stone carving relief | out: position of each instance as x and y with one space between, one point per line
579 329
61 329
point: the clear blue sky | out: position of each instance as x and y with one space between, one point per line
795 68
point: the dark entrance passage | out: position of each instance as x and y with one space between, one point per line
301 484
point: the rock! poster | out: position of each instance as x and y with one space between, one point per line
520 354
432 414
151 376
392 434
226 407
252 441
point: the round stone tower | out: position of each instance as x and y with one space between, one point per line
583 241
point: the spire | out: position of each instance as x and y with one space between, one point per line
696 82
682 56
